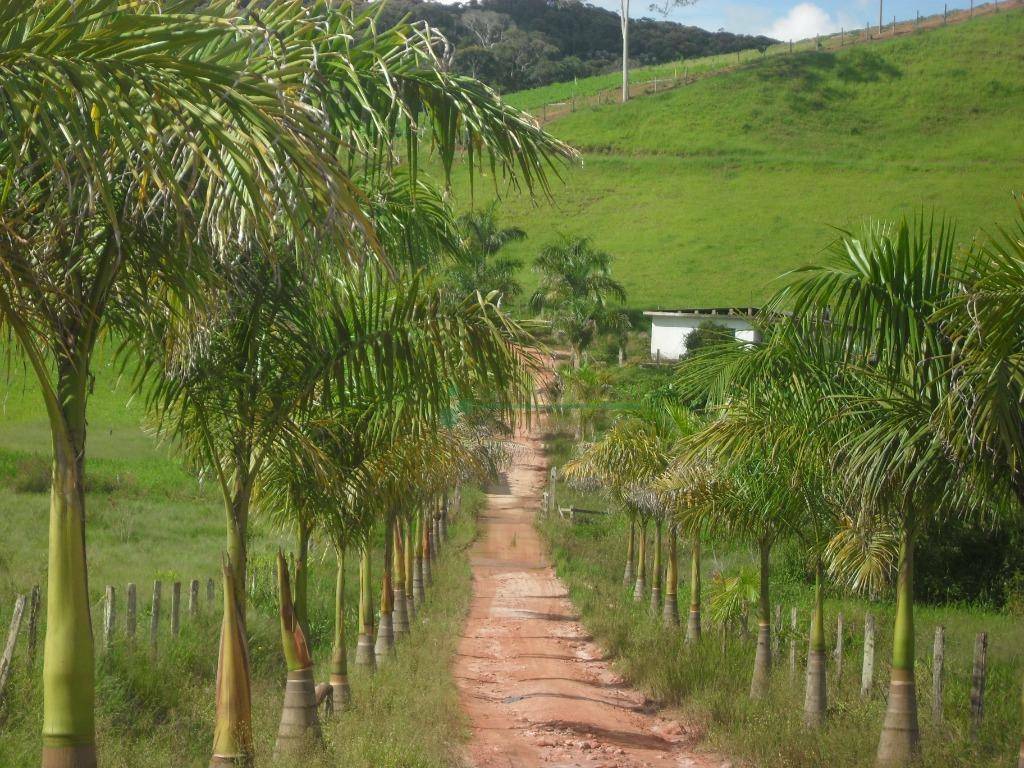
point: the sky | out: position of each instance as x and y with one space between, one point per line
786 19
783 19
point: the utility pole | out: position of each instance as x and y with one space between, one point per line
624 20
880 16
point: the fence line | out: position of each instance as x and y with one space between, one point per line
722 63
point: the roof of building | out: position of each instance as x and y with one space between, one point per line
704 312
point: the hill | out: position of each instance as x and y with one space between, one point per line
516 44
708 192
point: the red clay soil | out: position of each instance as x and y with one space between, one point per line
537 689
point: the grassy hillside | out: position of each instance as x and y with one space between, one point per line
707 193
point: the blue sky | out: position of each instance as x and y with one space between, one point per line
785 19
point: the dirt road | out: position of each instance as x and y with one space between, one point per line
537 689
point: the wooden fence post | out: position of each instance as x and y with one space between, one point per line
209 592
792 641
839 646
978 683
12 639
129 615
938 671
175 608
154 620
867 673
109 616
33 623
193 598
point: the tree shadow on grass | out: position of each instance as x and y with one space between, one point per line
817 78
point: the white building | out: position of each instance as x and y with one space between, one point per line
670 328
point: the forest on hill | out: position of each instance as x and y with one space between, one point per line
516 44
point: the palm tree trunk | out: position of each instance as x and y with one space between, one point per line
386 630
641 565
629 576
299 731
428 554
232 735
237 512
815 699
900 740
763 655
418 592
410 570
656 569
69 730
670 613
364 646
341 694
302 576
693 619
400 611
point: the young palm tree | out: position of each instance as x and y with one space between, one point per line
147 192
787 429
582 389
577 287
299 732
625 464
479 265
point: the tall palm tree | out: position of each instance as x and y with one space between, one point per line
791 428
869 368
577 287
982 413
114 201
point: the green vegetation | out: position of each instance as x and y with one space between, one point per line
707 193
885 401
156 712
514 44
709 683
269 290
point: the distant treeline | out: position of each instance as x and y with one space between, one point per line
517 44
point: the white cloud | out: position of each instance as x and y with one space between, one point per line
803 21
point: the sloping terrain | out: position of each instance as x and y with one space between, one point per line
706 193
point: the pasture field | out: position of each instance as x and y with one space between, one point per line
707 193
149 519
709 684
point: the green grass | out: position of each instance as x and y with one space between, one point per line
159 712
709 685
149 519
533 99
707 193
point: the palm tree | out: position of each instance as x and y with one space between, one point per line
583 389
479 265
869 370
577 287
148 191
625 463
792 430
981 413
113 201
